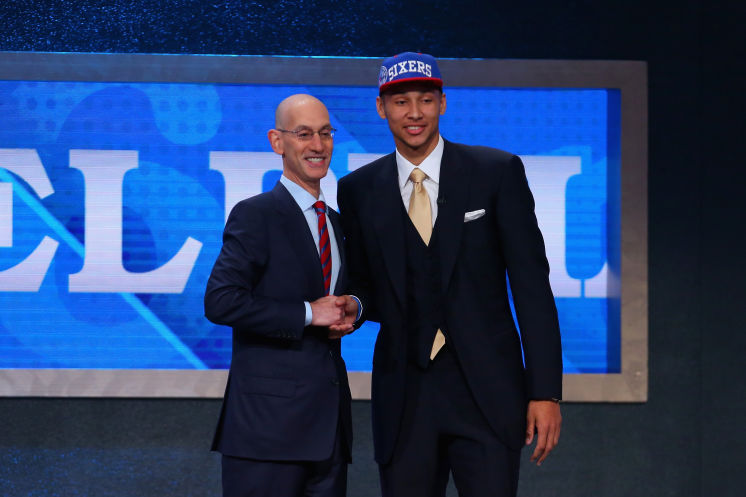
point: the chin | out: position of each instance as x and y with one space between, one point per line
415 144
318 173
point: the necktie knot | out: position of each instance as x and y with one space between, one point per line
417 175
319 206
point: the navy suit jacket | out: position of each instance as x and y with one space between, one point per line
475 257
287 385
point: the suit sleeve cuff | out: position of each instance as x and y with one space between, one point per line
309 314
359 308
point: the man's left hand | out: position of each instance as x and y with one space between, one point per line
544 420
347 324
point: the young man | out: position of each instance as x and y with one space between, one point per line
285 427
432 230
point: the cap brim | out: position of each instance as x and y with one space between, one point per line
437 82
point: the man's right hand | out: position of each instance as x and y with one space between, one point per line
326 311
347 324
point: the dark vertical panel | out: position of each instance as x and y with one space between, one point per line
722 109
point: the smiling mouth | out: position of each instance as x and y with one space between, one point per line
414 129
315 160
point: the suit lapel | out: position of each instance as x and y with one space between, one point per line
453 193
296 228
386 208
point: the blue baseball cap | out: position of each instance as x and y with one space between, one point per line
408 67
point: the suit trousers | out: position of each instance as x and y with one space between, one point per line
443 431
254 478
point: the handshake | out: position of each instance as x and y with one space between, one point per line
336 313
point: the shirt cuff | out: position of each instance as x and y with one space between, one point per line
359 308
309 314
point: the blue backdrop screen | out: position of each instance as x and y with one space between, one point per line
113 197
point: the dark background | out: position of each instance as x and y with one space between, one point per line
687 440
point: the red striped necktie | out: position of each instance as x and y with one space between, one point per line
325 248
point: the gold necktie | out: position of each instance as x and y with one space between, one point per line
421 215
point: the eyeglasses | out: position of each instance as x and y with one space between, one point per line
306 135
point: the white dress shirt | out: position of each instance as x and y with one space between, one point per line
305 201
431 167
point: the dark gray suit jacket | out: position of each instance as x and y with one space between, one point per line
475 257
287 384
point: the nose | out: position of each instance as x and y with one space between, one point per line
316 142
414 111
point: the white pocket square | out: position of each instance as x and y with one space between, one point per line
471 216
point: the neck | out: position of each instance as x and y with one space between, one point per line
418 154
312 187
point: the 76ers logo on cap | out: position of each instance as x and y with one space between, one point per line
382 75
409 67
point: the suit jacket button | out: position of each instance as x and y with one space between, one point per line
335 381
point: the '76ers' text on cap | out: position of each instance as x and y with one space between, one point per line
409 67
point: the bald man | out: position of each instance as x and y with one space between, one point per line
285 427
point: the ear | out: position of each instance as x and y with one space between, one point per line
275 141
380 107
442 104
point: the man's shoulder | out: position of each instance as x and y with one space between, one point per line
479 152
258 204
264 199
